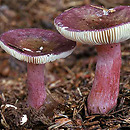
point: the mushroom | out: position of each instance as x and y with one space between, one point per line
36 47
104 28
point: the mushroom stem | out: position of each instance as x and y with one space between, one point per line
36 88
105 89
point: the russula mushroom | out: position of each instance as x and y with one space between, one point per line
36 47
104 28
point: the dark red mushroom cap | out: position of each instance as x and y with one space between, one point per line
36 46
95 25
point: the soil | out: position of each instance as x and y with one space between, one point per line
68 81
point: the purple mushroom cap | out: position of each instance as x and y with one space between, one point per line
36 43
79 24
90 18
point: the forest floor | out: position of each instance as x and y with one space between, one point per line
68 81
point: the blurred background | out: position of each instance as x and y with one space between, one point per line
41 13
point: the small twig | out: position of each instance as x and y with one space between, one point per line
69 71
53 85
100 8
3 121
81 107
85 109
16 101
91 123
3 97
80 93
55 126
120 110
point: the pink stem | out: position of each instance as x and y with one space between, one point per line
36 88
105 89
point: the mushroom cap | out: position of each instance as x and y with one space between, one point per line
95 25
35 45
